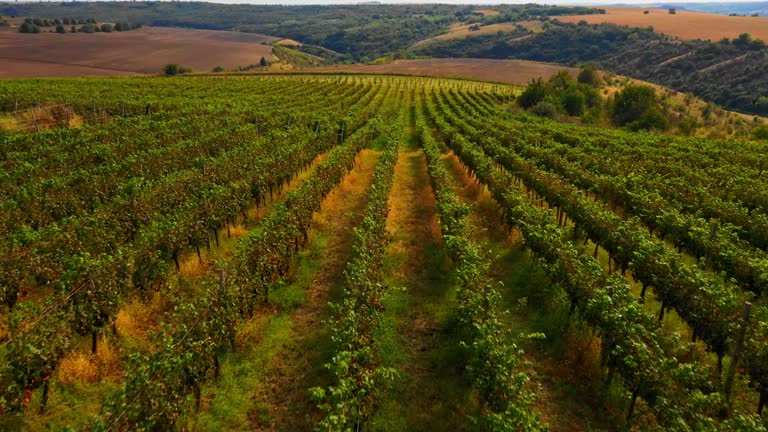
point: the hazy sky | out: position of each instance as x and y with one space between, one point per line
490 2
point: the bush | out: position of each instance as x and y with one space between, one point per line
171 69
545 109
218 69
632 103
651 119
760 132
533 94
574 102
27 27
588 75
60 29
106 28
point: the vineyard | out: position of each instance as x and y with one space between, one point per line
347 253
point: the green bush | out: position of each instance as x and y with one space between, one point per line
533 94
574 102
171 69
760 132
588 75
632 103
545 109
651 119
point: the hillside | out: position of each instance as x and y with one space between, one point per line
358 32
729 73
142 51
683 24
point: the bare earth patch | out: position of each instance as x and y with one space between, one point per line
683 24
142 51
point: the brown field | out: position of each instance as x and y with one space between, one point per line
143 51
507 71
462 31
685 25
487 12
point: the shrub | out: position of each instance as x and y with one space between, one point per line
60 29
171 69
106 28
632 103
218 69
760 132
533 94
651 119
574 102
27 27
588 75
545 109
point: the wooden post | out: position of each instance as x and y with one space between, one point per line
34 120
222 280
737 349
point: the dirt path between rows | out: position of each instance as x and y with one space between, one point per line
298 364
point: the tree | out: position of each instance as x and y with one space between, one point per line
218 69
589 75
263 62
171 69
573 101
633 104
760 132
27 27
672 11
60 29
533 94
88 28
106 28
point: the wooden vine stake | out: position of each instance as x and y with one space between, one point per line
737 350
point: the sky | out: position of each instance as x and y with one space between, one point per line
489 2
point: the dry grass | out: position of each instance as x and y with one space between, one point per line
143 51
487 12
462 31
518 72
84 368
43 118
136 319
683 24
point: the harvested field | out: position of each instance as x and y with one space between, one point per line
506 71
683 24
465 31
143 51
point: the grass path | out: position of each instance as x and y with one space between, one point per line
265 385
430 394
570 392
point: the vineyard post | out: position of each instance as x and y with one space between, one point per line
34 120
16 107
737 349
122 108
